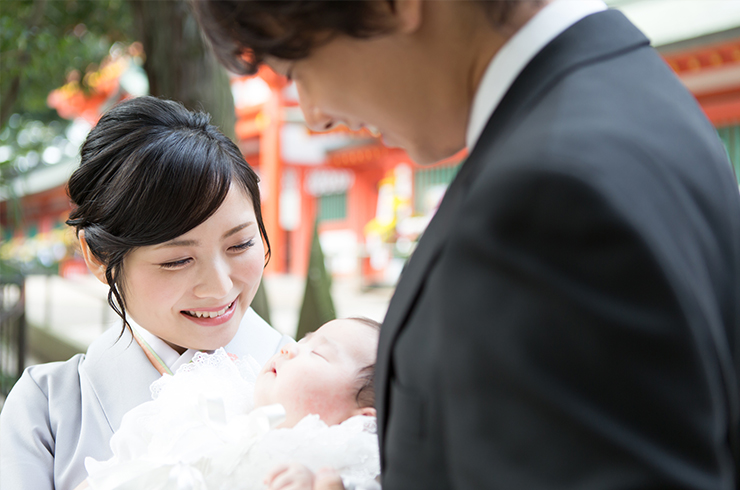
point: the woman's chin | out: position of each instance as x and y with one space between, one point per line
213 338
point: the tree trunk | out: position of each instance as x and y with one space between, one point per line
179 64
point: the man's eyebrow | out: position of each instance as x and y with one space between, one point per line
191 243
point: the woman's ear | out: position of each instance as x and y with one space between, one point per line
95 266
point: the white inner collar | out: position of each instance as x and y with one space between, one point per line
518 51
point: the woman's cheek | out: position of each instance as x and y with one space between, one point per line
150 290
251 268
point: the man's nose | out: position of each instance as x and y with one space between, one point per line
316 119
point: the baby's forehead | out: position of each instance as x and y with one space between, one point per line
355 338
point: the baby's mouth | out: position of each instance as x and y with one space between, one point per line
209 314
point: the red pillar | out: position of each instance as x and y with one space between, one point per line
271 168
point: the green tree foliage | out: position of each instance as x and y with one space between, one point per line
318 306
43 43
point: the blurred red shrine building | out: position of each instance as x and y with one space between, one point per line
369 202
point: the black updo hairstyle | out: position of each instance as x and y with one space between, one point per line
150 171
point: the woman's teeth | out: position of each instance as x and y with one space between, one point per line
208 314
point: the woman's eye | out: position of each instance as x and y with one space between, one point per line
175 264
243 246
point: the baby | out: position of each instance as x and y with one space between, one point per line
312 407
329 373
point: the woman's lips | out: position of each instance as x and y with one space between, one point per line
210 317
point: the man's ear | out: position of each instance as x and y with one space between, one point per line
95 266
408 14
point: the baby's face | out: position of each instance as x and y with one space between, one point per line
318 375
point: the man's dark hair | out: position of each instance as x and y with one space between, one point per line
243 32
150 171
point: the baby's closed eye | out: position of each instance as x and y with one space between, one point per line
320 355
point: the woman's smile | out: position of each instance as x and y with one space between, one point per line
211 316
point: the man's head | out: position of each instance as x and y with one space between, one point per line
407 68
329 373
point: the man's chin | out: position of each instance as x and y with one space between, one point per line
430 157
425 152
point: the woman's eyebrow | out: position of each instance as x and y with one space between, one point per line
194 243
178 243
237 229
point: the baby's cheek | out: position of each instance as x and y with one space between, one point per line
331 405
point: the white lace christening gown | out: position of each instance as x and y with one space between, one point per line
201 431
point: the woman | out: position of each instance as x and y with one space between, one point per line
167 213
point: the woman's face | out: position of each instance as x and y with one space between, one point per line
193 291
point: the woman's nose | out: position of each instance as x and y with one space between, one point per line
215 281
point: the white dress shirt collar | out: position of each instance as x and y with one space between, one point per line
518 51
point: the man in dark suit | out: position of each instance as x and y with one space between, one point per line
569 318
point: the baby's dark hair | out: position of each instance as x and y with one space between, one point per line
365 396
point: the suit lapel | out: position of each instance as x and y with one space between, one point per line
119 374
595 38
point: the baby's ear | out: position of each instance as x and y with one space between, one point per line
367 411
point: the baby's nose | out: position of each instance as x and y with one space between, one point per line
288 350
